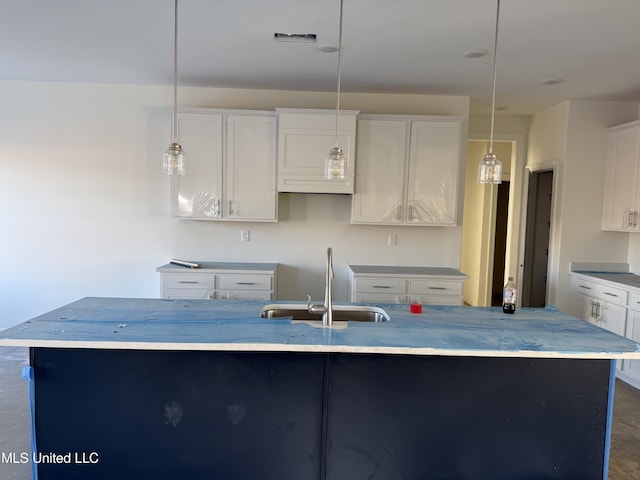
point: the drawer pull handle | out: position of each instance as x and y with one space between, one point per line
585 287
245 283
381 286
610 294
191 282
437 288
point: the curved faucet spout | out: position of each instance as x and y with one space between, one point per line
326 309
327 317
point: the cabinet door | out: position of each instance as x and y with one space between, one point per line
432 186
632 367
612 317
582 307
304 140
380 181
198 194
621 180
250 168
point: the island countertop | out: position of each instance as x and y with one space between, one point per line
156 324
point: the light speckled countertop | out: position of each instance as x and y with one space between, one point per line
207 267
623 278
145 324
444 272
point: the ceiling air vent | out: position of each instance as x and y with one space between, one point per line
295 37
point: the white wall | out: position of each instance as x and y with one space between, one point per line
572 137
84 209
634 243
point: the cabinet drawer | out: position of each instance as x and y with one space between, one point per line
634 300
244 295
441 299
188 280
379 298
436 287
614 295
244 282
381 285
182 293
579 285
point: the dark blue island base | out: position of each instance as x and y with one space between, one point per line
136 414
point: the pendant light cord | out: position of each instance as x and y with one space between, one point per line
339 71
493 93
175 73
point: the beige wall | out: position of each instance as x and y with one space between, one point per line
478 230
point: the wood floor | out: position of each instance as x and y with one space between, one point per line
624 462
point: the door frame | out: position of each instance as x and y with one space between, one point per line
528 170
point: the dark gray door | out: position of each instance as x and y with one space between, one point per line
536 247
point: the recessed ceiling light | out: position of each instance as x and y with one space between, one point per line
476 53
295 37
551 81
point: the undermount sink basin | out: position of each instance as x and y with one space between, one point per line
341 313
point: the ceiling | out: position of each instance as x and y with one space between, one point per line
399 46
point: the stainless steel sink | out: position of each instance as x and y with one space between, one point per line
350 313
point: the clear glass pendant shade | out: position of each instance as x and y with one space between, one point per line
335 158
335 164
490 169
174 161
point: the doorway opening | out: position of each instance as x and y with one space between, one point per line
536 242
500 246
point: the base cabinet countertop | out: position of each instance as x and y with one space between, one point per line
192 389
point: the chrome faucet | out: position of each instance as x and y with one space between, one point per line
326 309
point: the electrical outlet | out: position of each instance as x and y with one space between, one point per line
245 236
393 239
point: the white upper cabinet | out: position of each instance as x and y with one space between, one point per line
408 170
231 166
304 140
250 169
621 204
382 151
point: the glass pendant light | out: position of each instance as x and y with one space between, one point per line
174 160
335 158
490 168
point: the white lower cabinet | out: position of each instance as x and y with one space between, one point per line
600 304
379 284
613 308
631 368
219 281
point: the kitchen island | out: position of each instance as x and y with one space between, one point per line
146 388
